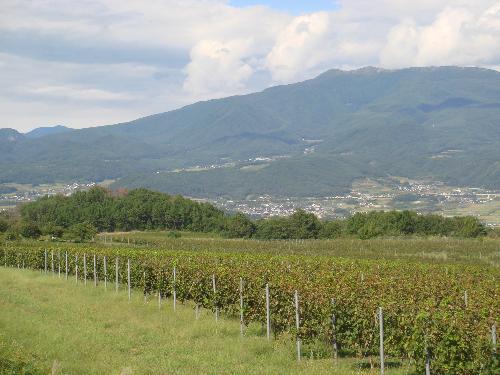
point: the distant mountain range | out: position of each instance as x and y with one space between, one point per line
47 130
306 139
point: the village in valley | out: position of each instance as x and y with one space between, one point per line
14 194
384 194
365 195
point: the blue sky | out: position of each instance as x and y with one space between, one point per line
292 6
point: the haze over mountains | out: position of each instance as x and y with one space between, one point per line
47 130
306 139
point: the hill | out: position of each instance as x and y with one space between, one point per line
47 130
306 139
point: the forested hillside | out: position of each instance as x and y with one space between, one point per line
100 210
438 123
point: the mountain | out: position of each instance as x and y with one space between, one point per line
307 139
47 130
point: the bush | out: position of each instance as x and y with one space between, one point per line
4 225
469 226
331 229
239 226
12 234
30 230
304 225
53 230
173 234
81 232
274 228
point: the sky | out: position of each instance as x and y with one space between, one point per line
97 62
291 6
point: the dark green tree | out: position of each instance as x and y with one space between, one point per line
239 226
52 230
304 225
331 229
81 232
30 230
4 225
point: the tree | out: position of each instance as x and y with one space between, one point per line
469 226
274 228
239 226
355 223
12 234
53 230
331 229
81 232
304 225
30 230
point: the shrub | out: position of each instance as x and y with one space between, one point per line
239 226
4 225
173 234
12 234
30 230
331 229
81 232
53 230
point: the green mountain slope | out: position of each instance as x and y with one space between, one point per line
47 131
442 123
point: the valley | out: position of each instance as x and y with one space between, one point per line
392 193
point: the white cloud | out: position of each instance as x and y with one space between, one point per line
218 67
78 93
101 61
301 46
81 95
457 36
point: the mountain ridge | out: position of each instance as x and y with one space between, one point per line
47 131
370 122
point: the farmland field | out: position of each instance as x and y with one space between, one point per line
45 321
484 251
440 298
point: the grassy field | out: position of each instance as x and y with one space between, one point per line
482 251
49 323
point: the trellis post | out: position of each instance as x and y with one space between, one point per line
105 273
297 323
144 278
76 268
128 278
334 332
174 293
95 271
215 299
381 324
427 362
241 306
494 338
268 315
85 269
116 275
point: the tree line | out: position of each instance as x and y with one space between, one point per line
83 214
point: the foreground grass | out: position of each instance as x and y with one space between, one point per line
87 330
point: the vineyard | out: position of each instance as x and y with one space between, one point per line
440 315
484 252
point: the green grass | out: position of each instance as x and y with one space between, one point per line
87 330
